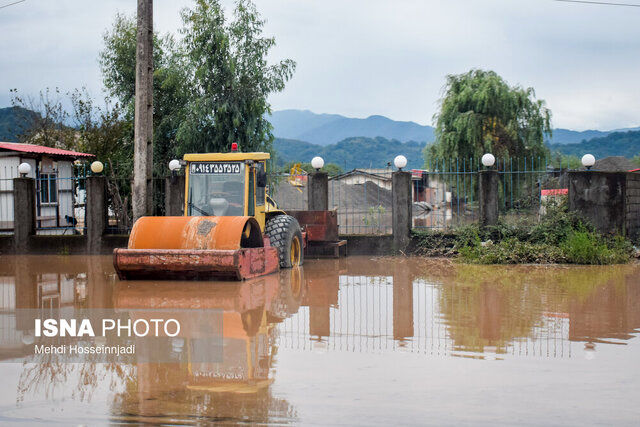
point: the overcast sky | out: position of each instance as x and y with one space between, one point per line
364 57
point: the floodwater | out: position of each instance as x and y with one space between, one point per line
382 341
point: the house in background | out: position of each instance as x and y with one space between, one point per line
56 187
380 177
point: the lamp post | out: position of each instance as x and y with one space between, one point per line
24 169
488 160
317 163
97 167
488 191
400 162
588 160
318 187
174 167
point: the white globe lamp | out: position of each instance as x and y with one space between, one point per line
174 165
317 163
588 160
24 169
400 161
97 167
488 160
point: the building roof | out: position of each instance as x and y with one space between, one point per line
39 149
363 173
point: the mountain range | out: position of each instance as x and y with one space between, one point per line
12 121
326 129
626 144
375 140
351 153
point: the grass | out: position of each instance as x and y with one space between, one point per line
560 237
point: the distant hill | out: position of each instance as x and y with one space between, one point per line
625 144
13 121
325 129
566 136
351 153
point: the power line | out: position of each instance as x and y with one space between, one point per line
602 3
11 4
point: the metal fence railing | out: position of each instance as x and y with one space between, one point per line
369 316
60 205
119 209
521 184
6 206
445 194
362 198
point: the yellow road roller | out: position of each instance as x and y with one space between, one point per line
231 229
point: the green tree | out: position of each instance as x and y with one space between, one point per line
230 78
210 89
170 93
480 113
330 168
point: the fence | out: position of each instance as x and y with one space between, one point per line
370 316
6 206
60 205
521 183
119 210
361 198
446 193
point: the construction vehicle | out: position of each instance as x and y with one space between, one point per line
231 228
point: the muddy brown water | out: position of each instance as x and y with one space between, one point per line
351 341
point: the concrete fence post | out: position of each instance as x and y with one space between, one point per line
95 213
488 197
24 213
174 196
401 210
318 192
601 198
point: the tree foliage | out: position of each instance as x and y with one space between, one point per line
480 113
170 94
210 87
330 168
230 78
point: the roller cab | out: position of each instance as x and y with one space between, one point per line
231 228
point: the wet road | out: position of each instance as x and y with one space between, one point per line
351 341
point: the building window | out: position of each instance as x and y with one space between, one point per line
48 188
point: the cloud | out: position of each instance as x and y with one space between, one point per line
364 57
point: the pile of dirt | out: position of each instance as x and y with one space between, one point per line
358 196
614 164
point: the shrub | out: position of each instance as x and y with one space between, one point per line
559 237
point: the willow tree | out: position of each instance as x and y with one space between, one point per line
480 113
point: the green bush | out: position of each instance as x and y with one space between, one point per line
559 237
582 247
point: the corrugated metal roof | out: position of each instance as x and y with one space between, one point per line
39 149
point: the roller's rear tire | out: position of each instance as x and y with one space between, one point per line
285 235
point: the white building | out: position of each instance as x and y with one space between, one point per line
56 187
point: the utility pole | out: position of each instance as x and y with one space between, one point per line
142 200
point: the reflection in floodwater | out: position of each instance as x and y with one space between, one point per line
354 305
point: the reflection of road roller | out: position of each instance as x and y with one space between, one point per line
231 228
250 312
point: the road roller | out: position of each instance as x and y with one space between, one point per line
231 228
